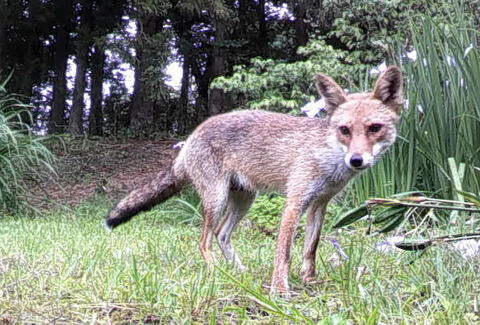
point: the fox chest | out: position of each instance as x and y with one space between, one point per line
330 181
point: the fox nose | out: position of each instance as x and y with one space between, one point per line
356 160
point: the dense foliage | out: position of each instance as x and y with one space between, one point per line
440 117
284 86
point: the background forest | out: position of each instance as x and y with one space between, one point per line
94 94
66 57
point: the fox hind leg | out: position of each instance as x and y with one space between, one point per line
214 200
239 203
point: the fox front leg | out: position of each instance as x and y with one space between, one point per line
288 225
313 229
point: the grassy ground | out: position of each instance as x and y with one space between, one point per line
64 267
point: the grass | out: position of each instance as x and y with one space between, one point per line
64 267
21 153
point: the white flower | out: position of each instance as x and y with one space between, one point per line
382 67
384 247
420 109
335 260
412 55
363 292
313 108
179 145
388 246
467 50
396 239
406 102
467 248
450 60
424 62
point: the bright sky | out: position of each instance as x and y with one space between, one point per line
173 70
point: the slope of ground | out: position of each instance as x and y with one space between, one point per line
109 166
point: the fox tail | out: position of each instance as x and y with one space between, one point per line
165 185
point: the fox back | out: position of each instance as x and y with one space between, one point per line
257 150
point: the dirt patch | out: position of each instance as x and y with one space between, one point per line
89 167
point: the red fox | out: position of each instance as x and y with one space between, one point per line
232 156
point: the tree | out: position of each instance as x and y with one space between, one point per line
150 60
209 37
106 18
24 29
63 15
81 58
217 97
95 121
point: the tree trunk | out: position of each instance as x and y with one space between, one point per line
25 77
241 31
142 108
201 103
301 36
262 39
96 95
183 103
6 19
75 126
3 43
56 123
83 45
216 96
141 118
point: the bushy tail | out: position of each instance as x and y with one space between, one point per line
163 186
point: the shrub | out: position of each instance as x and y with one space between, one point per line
267 210
285 87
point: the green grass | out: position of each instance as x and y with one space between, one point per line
64 267
23 156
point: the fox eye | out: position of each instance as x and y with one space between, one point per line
374 128
344 130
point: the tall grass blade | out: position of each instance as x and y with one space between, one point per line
441 120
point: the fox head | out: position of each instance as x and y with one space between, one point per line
363 124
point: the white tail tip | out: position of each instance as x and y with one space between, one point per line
107 227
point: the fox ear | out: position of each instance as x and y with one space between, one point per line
388 88
332 93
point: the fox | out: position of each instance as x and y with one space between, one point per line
230 157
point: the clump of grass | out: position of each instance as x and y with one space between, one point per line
22 154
